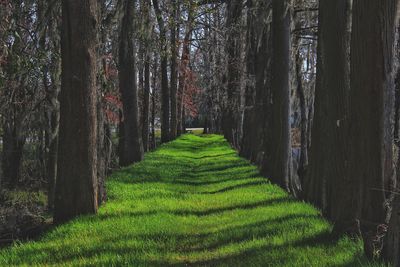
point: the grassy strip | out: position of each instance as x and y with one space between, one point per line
192 202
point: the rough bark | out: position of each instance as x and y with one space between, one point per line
278 164
371 106
251 43
184 64
146 92
174 69
153 104
132 140
232 108
76 185
326 178
165 91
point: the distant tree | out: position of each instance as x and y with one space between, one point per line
76 185
165 90
174 26
231 112
146 31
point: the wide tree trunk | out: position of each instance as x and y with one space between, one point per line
325 184
278 161
132 138
371 106
76 185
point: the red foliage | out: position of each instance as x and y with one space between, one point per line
112 106
191 91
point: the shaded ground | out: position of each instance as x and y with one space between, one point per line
192 202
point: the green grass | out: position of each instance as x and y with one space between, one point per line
192 202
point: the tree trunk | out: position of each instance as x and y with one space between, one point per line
132 141
303 162
184 64
248 120
153 104
371 106
278 163
232 108
146 92
326 182
76 185
165 93
174 71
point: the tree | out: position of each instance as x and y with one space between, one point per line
174 70
278 161
232 107
326 182
132 145
371 106
146 92
165 92
76 185
184 65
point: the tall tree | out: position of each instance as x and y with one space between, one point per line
184 65
174 24
392 242
165 92
278 163
132 138
326 181
76 185
146 92
231 110
371 106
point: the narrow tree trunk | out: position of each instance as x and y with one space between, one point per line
303 162
76 185
232 107
146 92
248 120
146 104
153 104
184 64
165 92
132 141
174 71
371 106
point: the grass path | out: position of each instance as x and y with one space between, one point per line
191 202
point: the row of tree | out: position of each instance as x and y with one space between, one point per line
305 89
349 134
84 86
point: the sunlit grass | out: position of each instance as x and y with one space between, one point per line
192 202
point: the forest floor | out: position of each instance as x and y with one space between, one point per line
192 202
